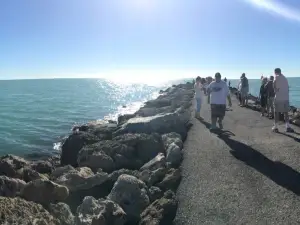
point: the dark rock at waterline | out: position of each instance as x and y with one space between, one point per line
73 144
10 165
102 129
146 146
160 212
123 118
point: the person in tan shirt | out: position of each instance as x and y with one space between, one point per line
281 100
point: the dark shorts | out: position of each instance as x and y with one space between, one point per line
263 101
218 110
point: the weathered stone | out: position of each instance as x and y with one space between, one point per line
131 194
155 193
62 212
160 212
44 192
174 155
28 175
81 178
171 180
99 212
162 124
10 187
11 164
151 177
43 167
73 144
172 138
106 155
145 146
158 162
19 211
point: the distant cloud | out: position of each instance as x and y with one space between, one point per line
278 8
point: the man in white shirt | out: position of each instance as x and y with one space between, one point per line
218 91
281 100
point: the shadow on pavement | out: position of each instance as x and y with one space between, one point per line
217 131
291 136
278 172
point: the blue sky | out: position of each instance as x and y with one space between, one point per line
148 39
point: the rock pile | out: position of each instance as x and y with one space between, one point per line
109 173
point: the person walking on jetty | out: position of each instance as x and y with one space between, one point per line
263 96
198 97
218 91
270 96
244 89
281 100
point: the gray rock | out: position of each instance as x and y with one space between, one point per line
11 164
131 194
81 178
43 167
19 211
160 212
73 144
123 118
62 212
106 155
172 138
155 193
162 123
171 180
10 187
44 192
174 155
28 174
99 212
146 146
59 171
151 177
158 162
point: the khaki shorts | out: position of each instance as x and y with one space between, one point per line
281 106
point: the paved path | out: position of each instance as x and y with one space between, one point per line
251 177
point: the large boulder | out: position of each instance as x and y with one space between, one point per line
146 146
43 166
99 212
19 211
172 138
80 178
62 212
158 161
171 180
10 187
162 123
151 177
107 155
73 144
131 194
174 155
44 192
160 212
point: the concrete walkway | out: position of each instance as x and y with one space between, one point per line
249 177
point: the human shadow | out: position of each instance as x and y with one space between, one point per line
217 131
278 172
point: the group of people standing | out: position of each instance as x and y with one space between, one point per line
274 97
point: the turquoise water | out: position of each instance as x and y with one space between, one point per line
294 84
36 114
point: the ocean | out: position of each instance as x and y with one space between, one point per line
36 114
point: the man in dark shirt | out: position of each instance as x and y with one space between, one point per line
270 95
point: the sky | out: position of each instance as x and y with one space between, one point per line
148 39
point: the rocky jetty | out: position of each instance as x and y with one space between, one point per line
254 104
108 173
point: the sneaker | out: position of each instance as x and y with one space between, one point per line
275 129
290 130
220 125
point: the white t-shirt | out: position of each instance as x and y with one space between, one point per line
198 90
218 92
282 88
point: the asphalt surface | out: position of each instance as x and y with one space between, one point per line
246 175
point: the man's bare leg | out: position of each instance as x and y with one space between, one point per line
287 122
213 122
220 122
276 119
